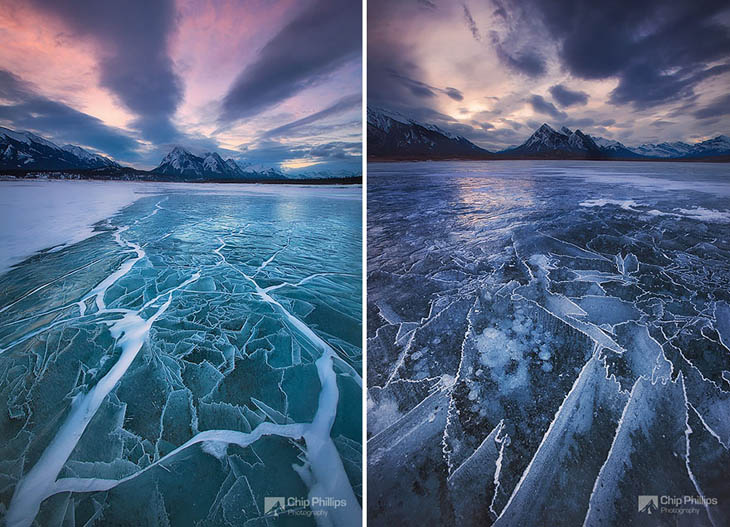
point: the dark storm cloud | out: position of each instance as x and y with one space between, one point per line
540 105
645 87
337 150
513 47
454 94
527 62
471 24
24 108
718 107
568 97
416 87
133 60
344 104
658 50
421 89
316 42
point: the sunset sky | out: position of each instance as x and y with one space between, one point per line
494 70
276 83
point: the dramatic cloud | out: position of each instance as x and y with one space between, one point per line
337 150
454 94
566 97
308 49
619 67
718 107
132 39
540 105
25 109
134 79
417 88
526 62
471 24
658 50
348 102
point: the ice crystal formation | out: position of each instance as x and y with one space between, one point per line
547 342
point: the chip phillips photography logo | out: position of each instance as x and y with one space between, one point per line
274 505
673 504
295 506
648 504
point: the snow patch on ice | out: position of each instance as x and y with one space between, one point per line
44 214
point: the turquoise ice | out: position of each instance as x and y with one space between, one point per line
198 353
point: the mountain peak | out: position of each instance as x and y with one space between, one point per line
180 162
545 128
546 142
395 136
180 150
213 155
23 150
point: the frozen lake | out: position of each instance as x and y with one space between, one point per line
183 353
547 341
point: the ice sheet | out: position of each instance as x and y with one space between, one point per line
580 309
197 355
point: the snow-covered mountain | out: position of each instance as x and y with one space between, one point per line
549 143
718 146
394 136
28 151
664 150
182 163
546 142
615 149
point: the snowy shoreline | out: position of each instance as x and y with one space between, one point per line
37 215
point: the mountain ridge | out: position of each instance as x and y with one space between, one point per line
25 154
27 151
394 136
209 165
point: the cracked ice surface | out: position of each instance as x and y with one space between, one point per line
546 342
199 352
